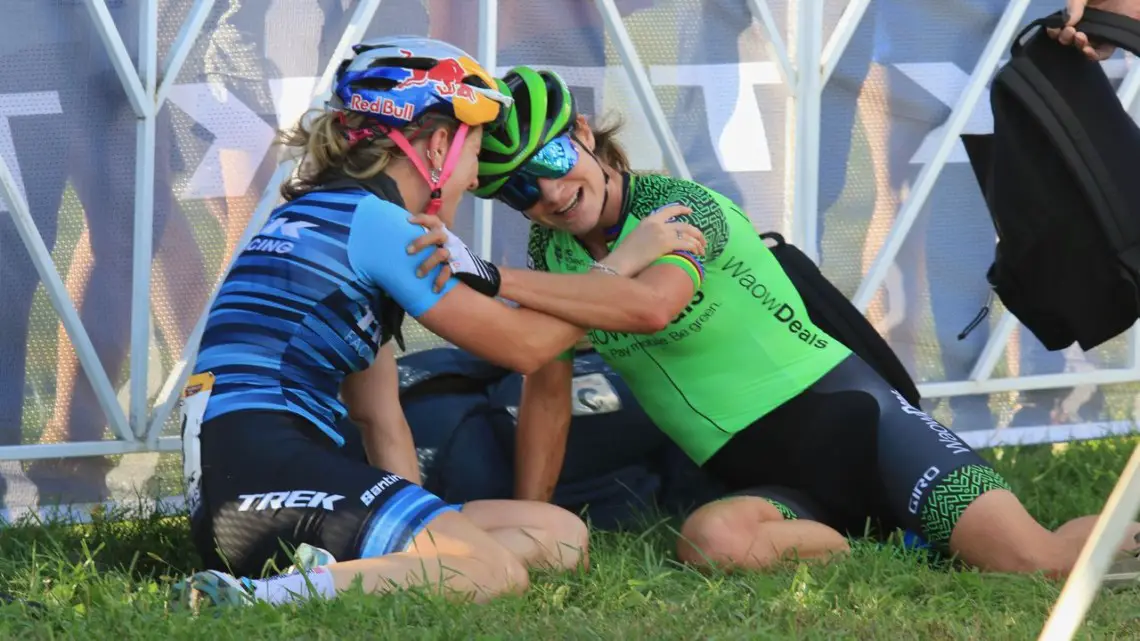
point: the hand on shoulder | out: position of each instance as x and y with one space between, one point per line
656 235
461 262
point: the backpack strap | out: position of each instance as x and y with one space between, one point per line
1109 27
1097 24
1052 112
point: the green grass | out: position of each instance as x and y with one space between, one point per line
109 580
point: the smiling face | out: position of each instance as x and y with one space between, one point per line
562 183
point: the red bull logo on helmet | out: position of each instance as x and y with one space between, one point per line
447 78
383 106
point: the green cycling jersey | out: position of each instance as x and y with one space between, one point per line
743 345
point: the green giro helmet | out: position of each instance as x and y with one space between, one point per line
543 110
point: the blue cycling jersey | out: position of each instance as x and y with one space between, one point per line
310 300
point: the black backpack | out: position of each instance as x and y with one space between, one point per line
834 313
1059 175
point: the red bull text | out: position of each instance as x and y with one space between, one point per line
384 107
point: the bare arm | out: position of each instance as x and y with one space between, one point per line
594 300
641 305
373 401
544 425
661 258
521 339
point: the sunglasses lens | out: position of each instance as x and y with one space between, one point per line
520 192
554 160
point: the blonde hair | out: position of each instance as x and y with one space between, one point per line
326 152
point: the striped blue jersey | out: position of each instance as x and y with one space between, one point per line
310 300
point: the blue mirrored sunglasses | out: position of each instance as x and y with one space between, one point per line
554 160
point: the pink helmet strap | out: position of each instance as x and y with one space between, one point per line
435 182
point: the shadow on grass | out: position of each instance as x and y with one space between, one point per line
145 540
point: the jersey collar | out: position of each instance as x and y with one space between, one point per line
380 185
614 231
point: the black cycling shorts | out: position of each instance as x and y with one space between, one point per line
792 504
271 481
862 458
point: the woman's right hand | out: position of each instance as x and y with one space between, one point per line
435 233
455 257
656 235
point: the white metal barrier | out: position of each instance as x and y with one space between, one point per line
806 64
140 430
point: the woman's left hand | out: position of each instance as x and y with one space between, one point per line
654 236
435 233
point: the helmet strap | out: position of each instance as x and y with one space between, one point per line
436 177
601 167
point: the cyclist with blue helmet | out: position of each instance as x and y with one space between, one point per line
301 334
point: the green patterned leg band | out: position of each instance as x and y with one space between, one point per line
952 496
785 511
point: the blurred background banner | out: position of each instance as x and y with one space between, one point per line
132 251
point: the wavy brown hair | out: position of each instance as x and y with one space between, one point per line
322 143
606 145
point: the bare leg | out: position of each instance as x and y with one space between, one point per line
67 365
452 556
541 534
996 533
1077 531
452 553
749 533
232 212
178 283
874 111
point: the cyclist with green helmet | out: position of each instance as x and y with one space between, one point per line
720 352
302 333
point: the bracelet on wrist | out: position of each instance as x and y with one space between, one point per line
604 269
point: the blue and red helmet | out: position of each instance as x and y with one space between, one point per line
396 80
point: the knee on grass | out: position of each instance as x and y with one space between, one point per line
556 539
569 539
454 549
750 533
496 571
515 576
541 534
